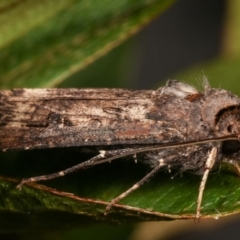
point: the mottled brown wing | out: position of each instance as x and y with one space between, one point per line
45 118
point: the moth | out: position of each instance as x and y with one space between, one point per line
174 127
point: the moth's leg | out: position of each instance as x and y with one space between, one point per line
208 166
103 156
135 186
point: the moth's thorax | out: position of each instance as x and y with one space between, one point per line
197 115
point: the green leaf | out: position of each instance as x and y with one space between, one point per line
44 42
80 199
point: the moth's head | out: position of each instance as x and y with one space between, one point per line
221 110
218 109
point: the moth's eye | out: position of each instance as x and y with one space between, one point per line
230 128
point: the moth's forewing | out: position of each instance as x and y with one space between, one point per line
47 118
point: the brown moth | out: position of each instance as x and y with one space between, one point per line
176 127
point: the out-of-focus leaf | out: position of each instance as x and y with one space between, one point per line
44 42
231 36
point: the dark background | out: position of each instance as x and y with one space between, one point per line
187 34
